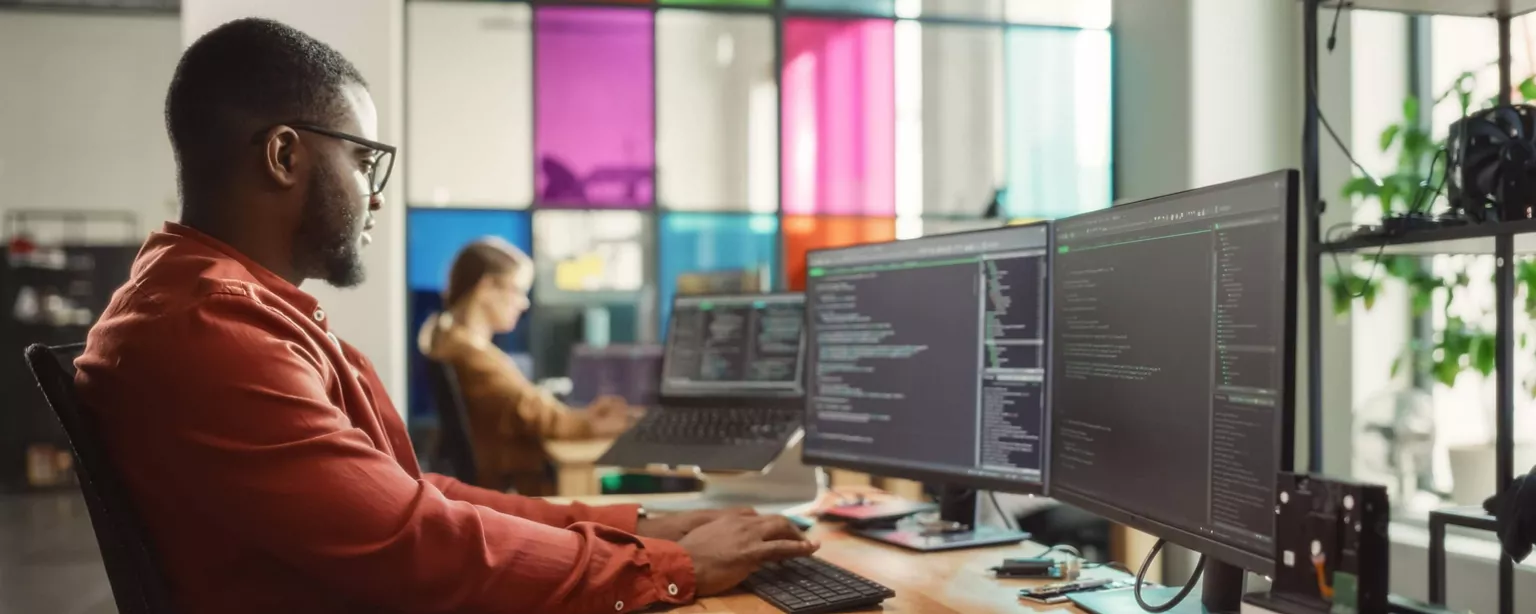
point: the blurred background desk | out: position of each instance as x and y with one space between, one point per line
576 473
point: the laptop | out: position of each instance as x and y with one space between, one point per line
732 393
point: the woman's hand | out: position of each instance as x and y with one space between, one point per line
610 416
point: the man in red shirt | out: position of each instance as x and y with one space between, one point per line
270 467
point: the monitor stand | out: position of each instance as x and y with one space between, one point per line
785 483
1220 592
957 507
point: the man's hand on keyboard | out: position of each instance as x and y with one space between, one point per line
672 527
728 549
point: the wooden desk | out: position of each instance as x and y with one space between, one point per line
956 582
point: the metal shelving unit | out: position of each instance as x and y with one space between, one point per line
1502 238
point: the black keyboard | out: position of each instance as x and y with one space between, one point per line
810 585
717 425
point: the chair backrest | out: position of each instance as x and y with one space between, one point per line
455 447
138 581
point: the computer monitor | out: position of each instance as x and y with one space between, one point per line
741 345
1173 365
927 359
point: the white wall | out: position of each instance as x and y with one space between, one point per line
1212 90
370 34
81 99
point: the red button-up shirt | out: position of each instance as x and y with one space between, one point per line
274 474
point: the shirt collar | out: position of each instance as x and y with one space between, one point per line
290 293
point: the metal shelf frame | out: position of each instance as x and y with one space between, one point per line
1502 235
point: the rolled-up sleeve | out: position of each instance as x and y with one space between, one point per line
273 462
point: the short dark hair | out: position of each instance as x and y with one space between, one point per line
240 78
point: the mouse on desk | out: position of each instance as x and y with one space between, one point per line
800 522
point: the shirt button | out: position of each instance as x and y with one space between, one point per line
319 315
672 590
618 607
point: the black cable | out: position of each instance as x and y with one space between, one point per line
1007 522
1424 187
1069 549
1333 35
1323 119
1177 599
1344 148
1338 268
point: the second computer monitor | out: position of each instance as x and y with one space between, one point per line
927 358
1174 351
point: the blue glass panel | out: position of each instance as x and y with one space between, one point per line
884 8
1058 117
709 250
433 238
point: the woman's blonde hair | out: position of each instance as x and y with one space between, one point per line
481 258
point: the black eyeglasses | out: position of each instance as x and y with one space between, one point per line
383 155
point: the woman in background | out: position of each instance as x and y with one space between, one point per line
509 416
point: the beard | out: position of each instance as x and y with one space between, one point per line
328 244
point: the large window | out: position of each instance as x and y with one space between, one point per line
686 146
1423 408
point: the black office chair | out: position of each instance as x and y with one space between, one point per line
138 582
455 447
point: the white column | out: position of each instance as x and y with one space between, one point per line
1208 91
370 33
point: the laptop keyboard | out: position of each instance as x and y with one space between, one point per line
717 425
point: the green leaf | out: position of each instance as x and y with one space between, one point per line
1528 88
1483 355
1341 296
1362 187
1368 294
1387 194
1465 99
1421 301
1389 135
1411 110
1445 372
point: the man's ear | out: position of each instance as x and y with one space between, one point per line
283 156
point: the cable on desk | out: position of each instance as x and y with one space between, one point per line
1072 550
1177 599
1007 521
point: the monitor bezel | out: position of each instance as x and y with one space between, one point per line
809 457
742 395
1262 563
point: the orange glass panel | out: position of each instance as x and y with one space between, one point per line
804 233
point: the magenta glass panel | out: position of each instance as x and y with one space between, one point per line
595 128
839 108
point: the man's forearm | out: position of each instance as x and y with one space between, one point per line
621 517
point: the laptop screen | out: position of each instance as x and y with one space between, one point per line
736 345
